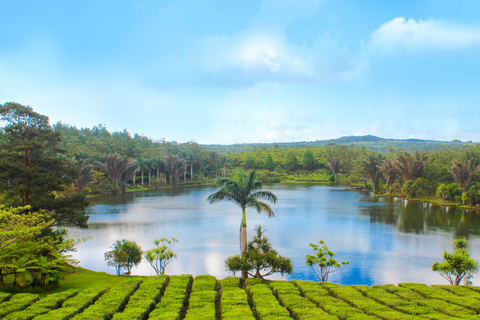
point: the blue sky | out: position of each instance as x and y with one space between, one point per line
248 71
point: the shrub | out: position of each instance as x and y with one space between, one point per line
125 254
259 257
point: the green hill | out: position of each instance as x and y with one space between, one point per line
368 141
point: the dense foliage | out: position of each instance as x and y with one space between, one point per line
204 297
26 254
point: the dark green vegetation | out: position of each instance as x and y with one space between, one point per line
260 259
205 297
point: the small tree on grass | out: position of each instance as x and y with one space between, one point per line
323 262
457 265
260 259
162 255
125 255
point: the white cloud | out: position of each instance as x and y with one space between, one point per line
261 52
410 35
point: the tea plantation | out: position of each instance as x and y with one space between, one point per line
206 298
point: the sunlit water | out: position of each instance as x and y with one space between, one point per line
385 240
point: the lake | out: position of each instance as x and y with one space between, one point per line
386 240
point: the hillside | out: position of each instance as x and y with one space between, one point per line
368 141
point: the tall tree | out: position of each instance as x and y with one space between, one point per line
115 167
291 162
175 166
410 166
389 172
268 164
32 168
249 162
335 163
244 190
371 170
464 172
308 160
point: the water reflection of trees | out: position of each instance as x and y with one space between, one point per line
422 218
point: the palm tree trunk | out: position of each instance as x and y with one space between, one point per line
243 241
191 171
185 175
134 176
142 178
149 178
158 174
243 233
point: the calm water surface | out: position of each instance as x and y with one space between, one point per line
385 240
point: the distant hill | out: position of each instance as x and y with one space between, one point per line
368 141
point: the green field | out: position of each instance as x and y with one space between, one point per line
205 297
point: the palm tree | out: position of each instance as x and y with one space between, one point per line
409 166
389 171
244 190
115 166
142 166
174 165
464 172
371 170
334 163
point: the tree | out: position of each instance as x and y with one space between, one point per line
464 172
408 189
125 254
142 166
389 172
443 192
174 165
409 166
371 170
244 190
249 162
457 265
290 162
335 163
308 160
84 177
116 167
25 251
32 169
260 259
268 164
323 262
160 256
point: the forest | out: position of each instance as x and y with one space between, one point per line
95 161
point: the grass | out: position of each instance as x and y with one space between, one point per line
83 279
